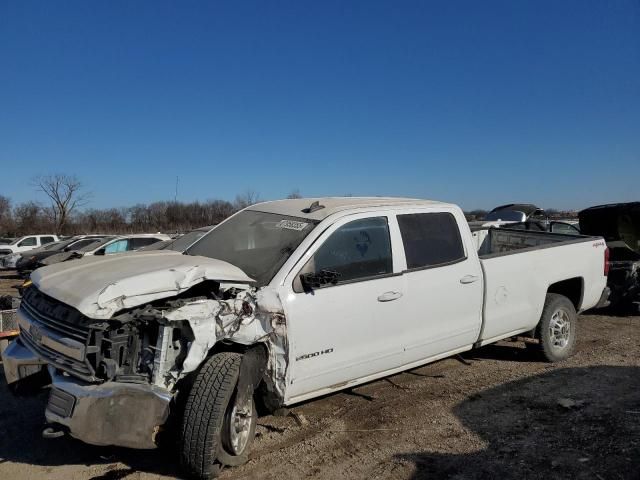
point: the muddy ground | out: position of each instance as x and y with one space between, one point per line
496 412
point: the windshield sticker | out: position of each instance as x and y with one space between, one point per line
291 225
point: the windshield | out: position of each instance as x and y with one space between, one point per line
506 216
93 245
180 244
258 243
16 241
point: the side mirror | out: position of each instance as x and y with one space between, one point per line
318 279
99 252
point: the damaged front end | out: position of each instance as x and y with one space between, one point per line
115 380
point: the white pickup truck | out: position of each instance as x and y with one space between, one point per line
283 302
26 243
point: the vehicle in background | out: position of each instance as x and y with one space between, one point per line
107 246
566 227
283 302
516 212
5 240
181 243
26 243
26 263
526 216
619 224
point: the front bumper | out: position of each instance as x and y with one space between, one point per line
111 413
19 362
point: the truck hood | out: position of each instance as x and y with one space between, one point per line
100 286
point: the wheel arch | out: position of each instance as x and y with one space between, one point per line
572 288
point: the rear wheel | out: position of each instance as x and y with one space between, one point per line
218 427
557 330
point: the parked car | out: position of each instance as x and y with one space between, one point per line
526 216
180 243
569 227
26 263
619 224
283 302
107 246
516 212
26 243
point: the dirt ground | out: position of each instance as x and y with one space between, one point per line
496 412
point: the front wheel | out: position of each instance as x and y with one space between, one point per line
557 330
218 428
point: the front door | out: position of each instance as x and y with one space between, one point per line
342 329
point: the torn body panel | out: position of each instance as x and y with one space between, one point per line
251 317
129 280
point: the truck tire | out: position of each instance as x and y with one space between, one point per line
215 430
557 329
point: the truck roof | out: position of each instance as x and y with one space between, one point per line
304 207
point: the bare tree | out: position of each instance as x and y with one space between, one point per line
247 198
29 219
65 193
7 224
295 194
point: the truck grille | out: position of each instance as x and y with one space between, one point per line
48 314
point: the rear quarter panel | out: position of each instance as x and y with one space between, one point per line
516 283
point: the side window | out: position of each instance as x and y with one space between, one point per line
566 228
357 250
28 242
80 243
430 239
45 240
117 247
137 243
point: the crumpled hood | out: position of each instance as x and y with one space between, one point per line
100 286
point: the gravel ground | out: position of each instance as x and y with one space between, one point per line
495 412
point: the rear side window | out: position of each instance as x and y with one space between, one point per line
430 239
45 240
357 250
81 243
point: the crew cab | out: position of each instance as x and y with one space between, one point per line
26 243
283 302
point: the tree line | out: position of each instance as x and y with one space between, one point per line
31 218
65 212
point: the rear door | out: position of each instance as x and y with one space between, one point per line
344 331
442 307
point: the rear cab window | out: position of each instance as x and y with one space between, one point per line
45 240
430 239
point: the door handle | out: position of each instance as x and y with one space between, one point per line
469 279
389 296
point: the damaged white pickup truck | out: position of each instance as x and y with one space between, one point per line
283 302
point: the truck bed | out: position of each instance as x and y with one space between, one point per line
500 241
520 266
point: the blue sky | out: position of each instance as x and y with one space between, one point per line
477 103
